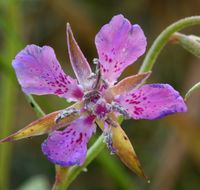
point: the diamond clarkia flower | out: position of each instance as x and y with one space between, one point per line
98 99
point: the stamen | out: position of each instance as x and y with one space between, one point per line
116 107
65 113
97 83
108 139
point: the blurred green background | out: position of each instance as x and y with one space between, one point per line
169 149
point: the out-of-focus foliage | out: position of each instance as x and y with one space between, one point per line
36 182
168 148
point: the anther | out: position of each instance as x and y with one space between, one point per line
65 113
116 107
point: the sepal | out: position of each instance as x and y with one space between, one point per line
124 149
79 63
41 126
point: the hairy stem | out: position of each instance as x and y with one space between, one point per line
162 39
191 90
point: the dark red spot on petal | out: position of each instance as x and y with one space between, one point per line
58 91
66 132
134 102
106 58
80 138
138 110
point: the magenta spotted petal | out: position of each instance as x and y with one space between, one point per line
152 102
69 147
119 44
39 72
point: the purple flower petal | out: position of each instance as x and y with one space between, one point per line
69 147
119 44
79 63
152 102
39 72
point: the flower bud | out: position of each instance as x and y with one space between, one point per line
190 43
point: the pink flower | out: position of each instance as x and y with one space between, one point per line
98 98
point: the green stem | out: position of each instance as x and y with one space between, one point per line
162 39
74 171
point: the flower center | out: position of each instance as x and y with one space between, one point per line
95 103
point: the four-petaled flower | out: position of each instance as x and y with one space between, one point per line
98 98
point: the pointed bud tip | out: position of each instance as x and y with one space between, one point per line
68 28
143 175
